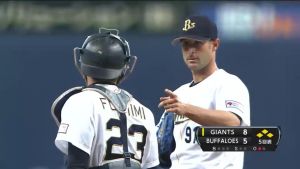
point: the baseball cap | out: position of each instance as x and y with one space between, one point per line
199 28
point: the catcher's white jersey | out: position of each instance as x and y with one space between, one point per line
219 91
90 122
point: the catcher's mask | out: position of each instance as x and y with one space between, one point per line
104 56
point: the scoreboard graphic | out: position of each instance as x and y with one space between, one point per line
238 138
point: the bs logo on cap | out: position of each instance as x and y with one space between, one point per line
188 24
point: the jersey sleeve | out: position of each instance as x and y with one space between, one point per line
150 158
233 96
76 125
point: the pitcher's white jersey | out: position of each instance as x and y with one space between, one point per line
90 122
219 91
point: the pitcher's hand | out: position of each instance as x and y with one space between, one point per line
171 103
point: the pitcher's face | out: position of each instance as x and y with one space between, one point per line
198 54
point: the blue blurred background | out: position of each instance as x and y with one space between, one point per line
259 43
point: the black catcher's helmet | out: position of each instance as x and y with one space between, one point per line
105 56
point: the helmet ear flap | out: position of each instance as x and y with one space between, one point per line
77 60
128 68
77 57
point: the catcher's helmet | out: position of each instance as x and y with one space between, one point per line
104 56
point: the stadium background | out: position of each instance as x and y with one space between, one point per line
259 43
